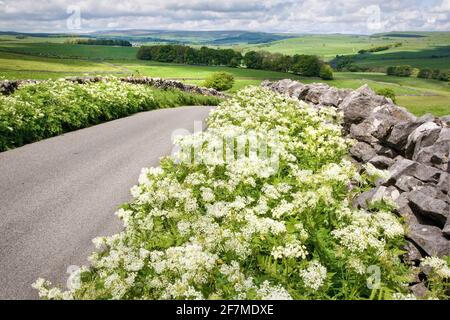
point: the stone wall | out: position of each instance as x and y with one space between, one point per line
9 86
414 150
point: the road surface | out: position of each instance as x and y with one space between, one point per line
58 194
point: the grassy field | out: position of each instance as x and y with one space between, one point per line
44 58
56 48
431 49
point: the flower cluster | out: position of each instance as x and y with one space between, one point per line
314 275
438 266
238 225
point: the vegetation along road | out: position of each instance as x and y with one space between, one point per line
58 194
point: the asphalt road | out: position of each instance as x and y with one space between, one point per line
58 194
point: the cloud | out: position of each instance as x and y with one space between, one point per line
300 16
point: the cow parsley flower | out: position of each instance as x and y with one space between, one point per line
439 266
314 275
294 249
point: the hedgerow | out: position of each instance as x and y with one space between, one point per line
218 222
38 111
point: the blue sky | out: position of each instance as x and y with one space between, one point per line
298 16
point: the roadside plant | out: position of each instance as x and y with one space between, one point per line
221 81
244 229
38 111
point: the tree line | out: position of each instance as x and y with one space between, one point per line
305 65
100 42
424 73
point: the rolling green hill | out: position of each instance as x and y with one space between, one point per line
38 57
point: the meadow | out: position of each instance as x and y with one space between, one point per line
428 49
50 58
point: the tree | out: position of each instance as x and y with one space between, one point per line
253 60
306 65
326 72
399 71
425 73
220 81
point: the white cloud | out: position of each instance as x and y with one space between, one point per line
346 16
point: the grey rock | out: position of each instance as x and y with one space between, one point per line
401 167
424 136
362 201
333 97
315 92
413 254
381 162
376 195
384 151
445 121
419 290
383 124
362 151
363 132
446 229
359 104
431 208
437 155
427 174
401 132
402 202
408 183
444 183
428 238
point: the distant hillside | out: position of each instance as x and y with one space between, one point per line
193 37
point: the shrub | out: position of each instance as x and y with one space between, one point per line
50 108
223 226
425 73
326 72
220 81
399 71
376 49
440 75
388 93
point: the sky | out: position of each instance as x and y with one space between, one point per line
294 16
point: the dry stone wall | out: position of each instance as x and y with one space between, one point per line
415 151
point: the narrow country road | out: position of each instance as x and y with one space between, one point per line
58 194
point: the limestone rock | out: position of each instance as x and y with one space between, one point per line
362 151
429 207
381 162
401 132
401 167
428 238
408 183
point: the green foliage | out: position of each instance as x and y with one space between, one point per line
399 71
100 42
425 73
326 72
306 65
189 55
441 75
388 93
376 49
253 60
220 81
50 108
220 226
